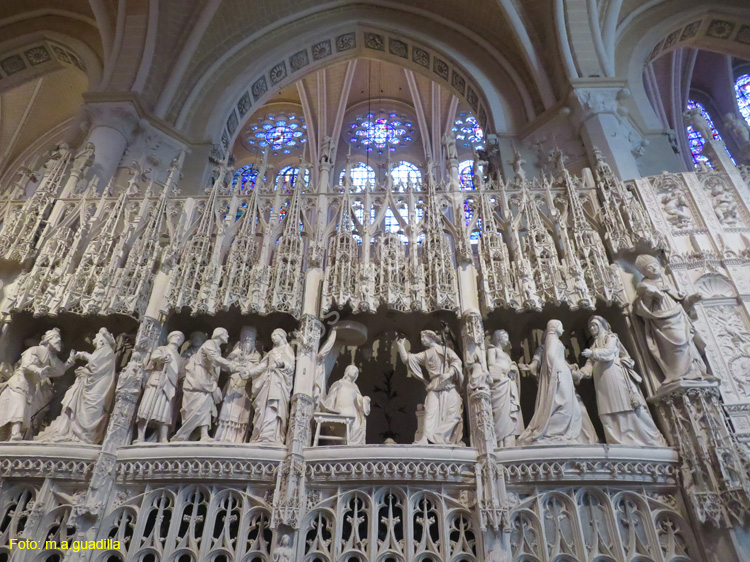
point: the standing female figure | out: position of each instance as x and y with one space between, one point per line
622 409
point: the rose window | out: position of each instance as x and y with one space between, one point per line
281 132
376 133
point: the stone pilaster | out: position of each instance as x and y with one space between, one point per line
289 495
715 466
88 515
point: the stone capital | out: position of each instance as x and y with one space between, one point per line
121 116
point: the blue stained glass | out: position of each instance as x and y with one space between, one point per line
406 172
245 177
696 141
288 175
281 122
742 89
466 174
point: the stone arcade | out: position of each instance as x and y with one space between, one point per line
375 281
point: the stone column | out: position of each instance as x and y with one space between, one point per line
112 127
714 466
289 495
492 502
88 516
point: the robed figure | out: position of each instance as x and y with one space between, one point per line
344 398
272 382
163 373
443 408
86 405
622 409
670 334
559 417
503 384
37 364
234 417
200 391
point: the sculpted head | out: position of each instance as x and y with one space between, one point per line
103 337
351 373
278 337
648 266
500 338
598 325
221 335
176 338
197 339
53 339
248 335
429 338
555 327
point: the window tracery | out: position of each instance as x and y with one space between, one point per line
378 132
361 174
288 176
696 141
282 132
405 173
468 131
742 91
244 178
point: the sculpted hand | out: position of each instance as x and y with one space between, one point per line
587 353
167 359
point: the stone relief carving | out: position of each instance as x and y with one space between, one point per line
559 416
670 335
87 403
622 409
443 408
345 399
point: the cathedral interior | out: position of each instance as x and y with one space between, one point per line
375 280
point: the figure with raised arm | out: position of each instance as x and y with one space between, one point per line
86 404
272 380
234 417
621 406
37 364
559 417
443 406
200 391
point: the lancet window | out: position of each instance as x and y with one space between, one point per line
405 173
742 90
244 178
288 176
361 175
696 141
468 131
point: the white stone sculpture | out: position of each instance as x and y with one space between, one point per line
622 409
739 127
724 203
559 417
670 334
86 405
283 552
503 383
344 398
16 397
443 406
163 372
694 118
84 159
234 417
200 391
449 141
272 382
195 342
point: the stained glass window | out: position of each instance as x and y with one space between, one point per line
361 174
466 174
245 177
696 141
382 131
280 132
288 175
405 173
742 89
468 132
